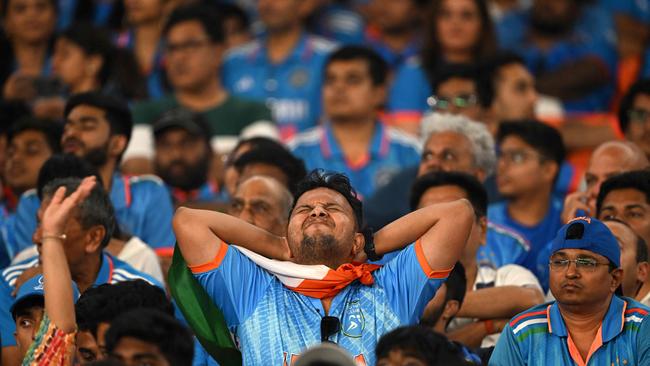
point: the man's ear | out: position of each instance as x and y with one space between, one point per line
359 244
617 278
94 238
549 170
117 145
642 271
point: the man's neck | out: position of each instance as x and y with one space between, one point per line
458 56
643 292
354 137
281 43
208 96
398 40
529 209
106 173
30 57
85 273
583 322
147 36
87 84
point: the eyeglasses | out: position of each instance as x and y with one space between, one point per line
462 101
329 325
188 46
586 264
518 156
639 115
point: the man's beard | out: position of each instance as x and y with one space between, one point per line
319 249
192 176
97 156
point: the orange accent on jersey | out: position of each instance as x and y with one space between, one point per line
419 253
360 360
213 263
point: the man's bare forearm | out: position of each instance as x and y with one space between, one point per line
512 300
200 234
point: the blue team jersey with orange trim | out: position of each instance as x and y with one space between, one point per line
112 270
407 97
274 324
502 246
142 206
390 152
539 336
291 88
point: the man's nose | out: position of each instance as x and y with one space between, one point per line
318 211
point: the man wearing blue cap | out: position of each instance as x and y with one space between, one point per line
27 311
588 324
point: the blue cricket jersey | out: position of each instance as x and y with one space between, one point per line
407 97
539 236
291 88
274 324
142 206
502 246
390 152
112 270
539 336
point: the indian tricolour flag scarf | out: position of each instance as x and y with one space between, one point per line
207 321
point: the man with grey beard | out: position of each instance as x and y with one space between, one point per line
320 289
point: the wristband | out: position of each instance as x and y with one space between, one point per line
369 249
489 326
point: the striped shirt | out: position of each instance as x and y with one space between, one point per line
539 336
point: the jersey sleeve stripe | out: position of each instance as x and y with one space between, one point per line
213 264
430 273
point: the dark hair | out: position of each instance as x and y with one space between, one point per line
12 111
22 307
432 53
641 248
545 139
463 71
377 66
184 119
456 284
338 182
627 102
63 166
278 156
233 11
50 129
491 69
476 193
206 15
102 304
254 142
117 110
171 338
96 209
422 343
93 41
636 179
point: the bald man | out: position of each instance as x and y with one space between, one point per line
263 202
609 159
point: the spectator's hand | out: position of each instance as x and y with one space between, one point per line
574 202
58 211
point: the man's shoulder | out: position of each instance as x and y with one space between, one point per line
507 236
10 274
123 271
145 181
245 51
311 137
402 139
529 322
146 112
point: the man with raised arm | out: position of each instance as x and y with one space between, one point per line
277 309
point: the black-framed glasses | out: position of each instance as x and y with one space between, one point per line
639 115
461 101
586 264
329 325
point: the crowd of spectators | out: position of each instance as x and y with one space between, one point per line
324 182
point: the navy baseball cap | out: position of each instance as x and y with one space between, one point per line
33 288
590 234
